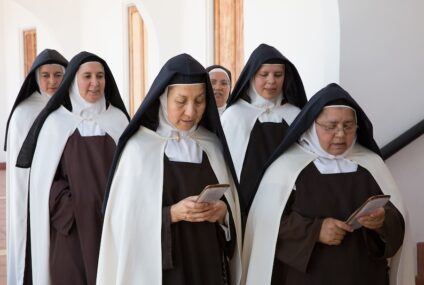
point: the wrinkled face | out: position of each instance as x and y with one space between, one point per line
51 76
186 105
336 129
269 80
91 81
221 87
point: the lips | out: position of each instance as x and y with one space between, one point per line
339 145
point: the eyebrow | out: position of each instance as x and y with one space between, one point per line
197 95
89 72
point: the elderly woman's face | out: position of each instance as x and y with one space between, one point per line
91 81
336 129
221 87
186 105
50 77
269 80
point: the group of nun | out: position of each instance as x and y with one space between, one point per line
94 197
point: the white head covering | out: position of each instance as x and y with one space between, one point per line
37 78
218 69
272 108
88 111
181 145
328 163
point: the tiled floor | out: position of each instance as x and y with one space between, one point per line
2 228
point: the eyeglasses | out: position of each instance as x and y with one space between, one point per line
334 129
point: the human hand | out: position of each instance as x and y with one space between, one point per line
190 210
215 212
333 231
373 220
186 208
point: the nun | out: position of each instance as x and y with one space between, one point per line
266 98
69 150
297 232
221 85
155 232
40 84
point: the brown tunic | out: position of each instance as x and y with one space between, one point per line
192 253
264 139
76 198
359 259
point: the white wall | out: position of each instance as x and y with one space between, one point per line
100 26
381 60
3 97
306 32
407 168
381 57
52 32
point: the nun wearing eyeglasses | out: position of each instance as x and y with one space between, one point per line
266 98
328 165
69 150
155 232
40 84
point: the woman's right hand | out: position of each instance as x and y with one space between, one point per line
333 231
185 209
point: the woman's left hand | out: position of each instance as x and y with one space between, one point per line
373 220
214 212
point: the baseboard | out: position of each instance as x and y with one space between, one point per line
2 165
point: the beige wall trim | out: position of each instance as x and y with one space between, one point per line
30 48
137 58
228 35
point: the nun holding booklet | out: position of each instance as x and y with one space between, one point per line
298 230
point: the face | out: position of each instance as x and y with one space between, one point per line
336 129
51 76
91 81
221 87
186 105
269 80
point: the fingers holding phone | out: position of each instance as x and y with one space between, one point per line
191 209
183 210
215 212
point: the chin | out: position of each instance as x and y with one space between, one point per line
337 152
269 96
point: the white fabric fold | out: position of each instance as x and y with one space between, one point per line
238 121
272 110
222 109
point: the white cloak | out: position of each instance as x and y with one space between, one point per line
130 250
238 121
17 186
263 222
52 139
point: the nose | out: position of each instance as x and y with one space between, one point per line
339 132
52 80
190 110
271 78
95 82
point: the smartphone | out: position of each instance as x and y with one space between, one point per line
212 193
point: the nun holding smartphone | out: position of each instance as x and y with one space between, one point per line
155 229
